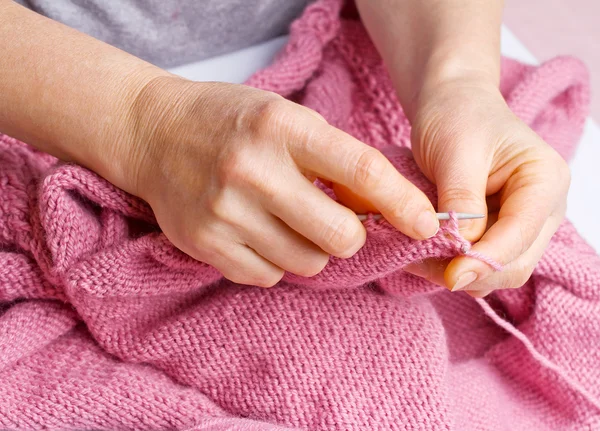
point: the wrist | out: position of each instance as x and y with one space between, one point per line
164 114
445 73
140 115
106 145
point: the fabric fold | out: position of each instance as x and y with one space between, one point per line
104 324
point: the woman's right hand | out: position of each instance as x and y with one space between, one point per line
228 171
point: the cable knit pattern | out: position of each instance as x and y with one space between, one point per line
105 325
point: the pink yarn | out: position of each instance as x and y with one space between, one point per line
465 246
105 325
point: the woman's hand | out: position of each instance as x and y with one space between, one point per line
226 168
485 160
228 171
444 59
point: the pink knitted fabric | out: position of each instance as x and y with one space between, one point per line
104 325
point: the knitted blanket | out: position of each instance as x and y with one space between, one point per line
104 325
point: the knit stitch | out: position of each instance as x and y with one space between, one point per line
105 325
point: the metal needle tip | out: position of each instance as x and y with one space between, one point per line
440 216
459 216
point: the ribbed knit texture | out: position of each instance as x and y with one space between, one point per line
104 325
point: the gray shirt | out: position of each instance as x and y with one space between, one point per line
173 32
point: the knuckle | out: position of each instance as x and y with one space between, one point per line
403 205
519 278
519 274
406 204
205 246
555 168
525 270
236 276
341 235
315 114
244 170
201 241
313 266
220 207
249 277
460 194
522 243
369 169
432 125
234 167
267 278
525 233
268 117
528 232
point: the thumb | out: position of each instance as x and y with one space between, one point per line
461 183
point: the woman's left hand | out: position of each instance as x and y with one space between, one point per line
485 160
444 60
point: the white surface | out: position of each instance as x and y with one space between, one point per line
583 205
236 67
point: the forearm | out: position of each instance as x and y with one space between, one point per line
64 92
427 42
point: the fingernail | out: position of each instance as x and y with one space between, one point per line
464 280
427 224
465 224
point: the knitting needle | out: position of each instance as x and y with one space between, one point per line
440 216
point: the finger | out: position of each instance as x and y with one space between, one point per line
493 205
480 293
236 261
529 198
314 215
434 269
336 156
245 266
430 269
276 242
312 112
461 179
519 271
